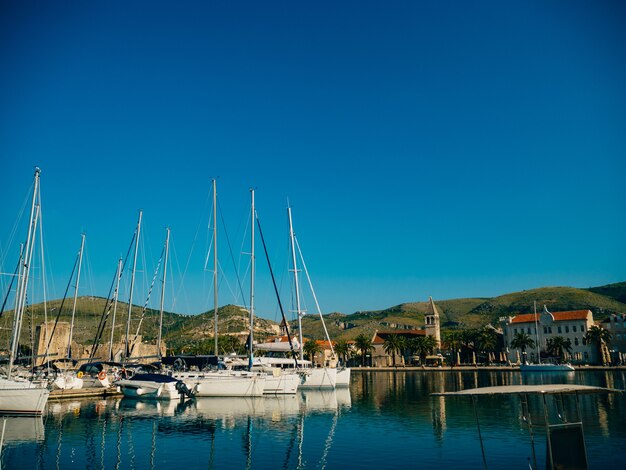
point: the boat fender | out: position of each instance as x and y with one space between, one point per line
80 375
102 375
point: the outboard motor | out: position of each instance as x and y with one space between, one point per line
182 388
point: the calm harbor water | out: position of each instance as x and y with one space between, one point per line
385 420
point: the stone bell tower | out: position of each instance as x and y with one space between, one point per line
432 321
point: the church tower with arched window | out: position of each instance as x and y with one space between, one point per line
432 321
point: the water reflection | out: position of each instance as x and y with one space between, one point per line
380 421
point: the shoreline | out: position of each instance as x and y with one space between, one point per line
470 368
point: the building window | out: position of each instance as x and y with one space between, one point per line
574 328
550 329
575 341
582 328
586 355
514 331
566 329
528 330
545 330
559 329
584 341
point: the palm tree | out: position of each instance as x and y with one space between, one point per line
311 348
522 341
468 342
601 338
423 345
394 344
558 345
454 342
486 340
342 349
364 345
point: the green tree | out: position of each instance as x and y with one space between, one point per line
394 344
342 349
364 346
454 342
228 344
522 341
311 348
486 340
601 338
558 345
423 346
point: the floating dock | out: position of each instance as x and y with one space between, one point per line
96 392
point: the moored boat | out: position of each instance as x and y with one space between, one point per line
150 386
546 367
22 397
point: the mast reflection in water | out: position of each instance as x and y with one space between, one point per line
385 420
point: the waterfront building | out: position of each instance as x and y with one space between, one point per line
432 327
572 325
616 325
380 358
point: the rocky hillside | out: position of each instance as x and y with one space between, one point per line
180 331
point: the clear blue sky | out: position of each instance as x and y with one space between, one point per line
444 149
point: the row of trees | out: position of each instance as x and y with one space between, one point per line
558 345
463 345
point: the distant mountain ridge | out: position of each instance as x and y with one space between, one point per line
181 330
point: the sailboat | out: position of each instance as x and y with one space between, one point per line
68 380
543 366
222 383
20 395
282 378
150 385
329 376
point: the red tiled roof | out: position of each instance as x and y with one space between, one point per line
558 316
320 342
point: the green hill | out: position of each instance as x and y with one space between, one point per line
615 291
180 331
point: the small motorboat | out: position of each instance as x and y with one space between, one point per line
151 386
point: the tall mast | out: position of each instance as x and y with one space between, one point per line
115 297
80 262
132 285
295 280
215 263
24 270
250 345
167 248
537 333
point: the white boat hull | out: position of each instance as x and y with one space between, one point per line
150 390
343 377
320 377
223 384
23 398
282 382
546 368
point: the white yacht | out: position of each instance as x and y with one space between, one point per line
22 397
223 383
18 395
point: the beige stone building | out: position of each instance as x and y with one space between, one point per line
432 327
616 325
572 325
57 349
